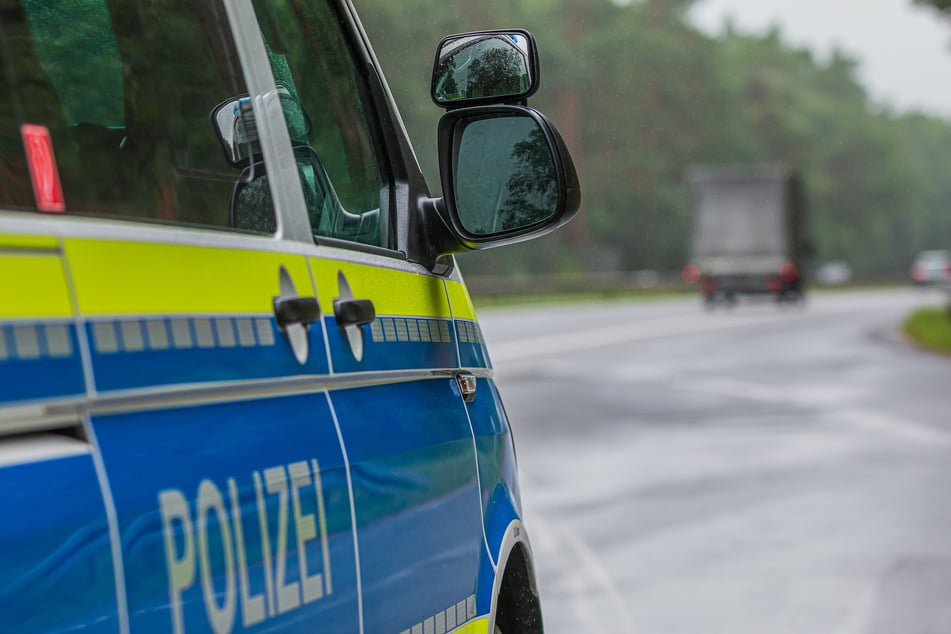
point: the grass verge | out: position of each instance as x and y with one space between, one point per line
930 328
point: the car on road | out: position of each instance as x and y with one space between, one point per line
242 382
931 268
834 273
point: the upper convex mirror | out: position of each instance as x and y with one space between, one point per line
485 67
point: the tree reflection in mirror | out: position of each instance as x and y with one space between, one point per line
473 67
505 175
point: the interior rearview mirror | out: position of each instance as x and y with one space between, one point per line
485 67
233 121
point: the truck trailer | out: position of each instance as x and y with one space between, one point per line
749 232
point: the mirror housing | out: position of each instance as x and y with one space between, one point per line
506 175
483 67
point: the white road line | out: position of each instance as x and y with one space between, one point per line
656 327
614 335
901 428
590 573
859 615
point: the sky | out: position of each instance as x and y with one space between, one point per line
904 50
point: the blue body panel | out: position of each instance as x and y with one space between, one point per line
45 370
417 499
160 355
223 456
57 571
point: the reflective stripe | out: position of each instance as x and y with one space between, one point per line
152 352
478 626
393 292
462 307
457 619
33 285
39 350
472 350
118 278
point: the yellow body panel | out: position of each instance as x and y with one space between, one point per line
33 285
462 307
476 626
28 242
145 278
392 292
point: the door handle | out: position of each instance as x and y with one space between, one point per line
295 310
353 312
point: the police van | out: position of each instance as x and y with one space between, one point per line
242 383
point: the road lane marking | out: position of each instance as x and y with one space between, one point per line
589 576
657 327
613 335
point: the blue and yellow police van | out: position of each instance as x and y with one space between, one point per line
242 383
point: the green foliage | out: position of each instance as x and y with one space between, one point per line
639 95
930 328
943 5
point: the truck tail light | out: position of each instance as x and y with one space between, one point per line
690 274
708 285
788 272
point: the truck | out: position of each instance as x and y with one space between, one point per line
749 232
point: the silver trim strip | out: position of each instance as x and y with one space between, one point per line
30 419
45 415
33 449
49 414
201 394
286 190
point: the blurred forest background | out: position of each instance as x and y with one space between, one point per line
639 94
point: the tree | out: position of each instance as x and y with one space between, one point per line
640 94
941 5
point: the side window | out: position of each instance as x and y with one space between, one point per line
126 90
328 113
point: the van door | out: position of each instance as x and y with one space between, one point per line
207 380
410 445
393 350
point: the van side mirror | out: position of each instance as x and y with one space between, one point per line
506 175
485 67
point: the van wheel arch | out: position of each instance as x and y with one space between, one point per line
516 603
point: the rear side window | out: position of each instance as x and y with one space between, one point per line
126 90
330 119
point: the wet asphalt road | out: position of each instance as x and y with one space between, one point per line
756 470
